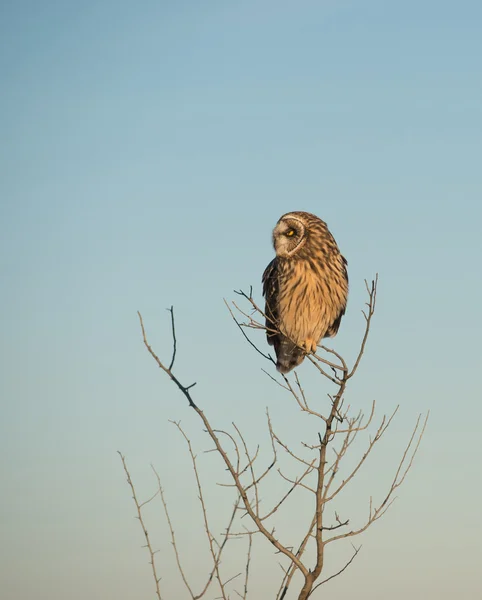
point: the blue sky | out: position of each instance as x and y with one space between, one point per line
147 151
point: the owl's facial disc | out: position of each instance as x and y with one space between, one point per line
288 236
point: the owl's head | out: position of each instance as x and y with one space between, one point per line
290 234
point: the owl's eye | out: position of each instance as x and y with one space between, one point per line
290 232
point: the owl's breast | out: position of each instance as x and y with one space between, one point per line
308 302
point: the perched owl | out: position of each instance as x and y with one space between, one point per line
305 287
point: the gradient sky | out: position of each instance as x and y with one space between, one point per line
147 150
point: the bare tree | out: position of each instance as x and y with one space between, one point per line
317 470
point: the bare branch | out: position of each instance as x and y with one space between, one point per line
295 484
246 571
377 513
254 481
174 341
233 472
359 420
356 551
152 562
184 389
173 536
267 356
302 403
299 482
333 527
372 294
381 430
289 573
339 430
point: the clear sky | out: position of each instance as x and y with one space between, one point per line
147 150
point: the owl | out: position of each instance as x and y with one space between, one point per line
305 287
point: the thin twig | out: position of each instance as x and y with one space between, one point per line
267 356
173 536
356 551
174 341
152 562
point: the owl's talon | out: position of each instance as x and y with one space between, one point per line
309 346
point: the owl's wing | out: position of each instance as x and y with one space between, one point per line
288 355
270 292
333 328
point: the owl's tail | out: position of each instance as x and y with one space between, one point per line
288 354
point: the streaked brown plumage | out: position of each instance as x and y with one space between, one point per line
305 286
